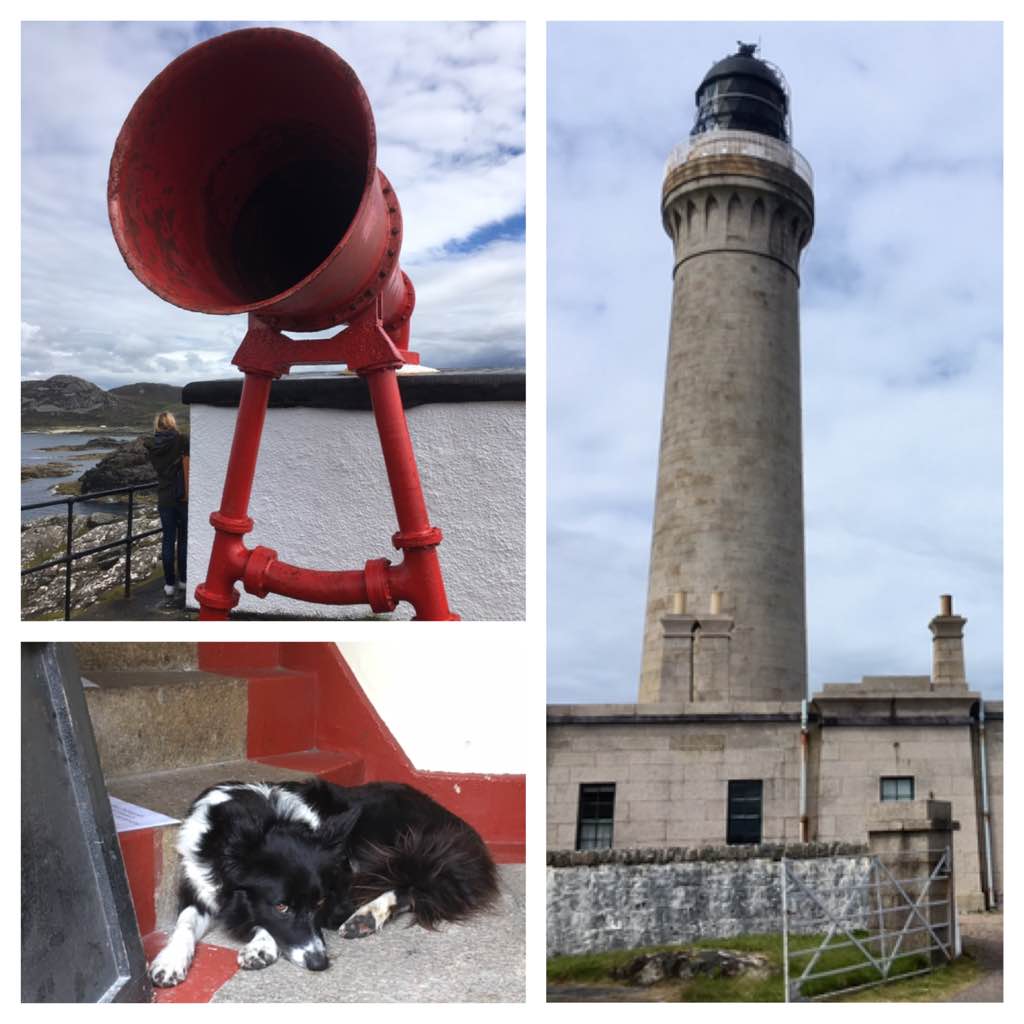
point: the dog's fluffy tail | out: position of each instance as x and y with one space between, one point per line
440 874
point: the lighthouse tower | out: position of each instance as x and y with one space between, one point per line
725 616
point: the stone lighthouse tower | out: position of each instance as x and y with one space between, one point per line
725 605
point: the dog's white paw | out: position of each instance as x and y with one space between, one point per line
255 959
167 971
358 926
370 917
260 952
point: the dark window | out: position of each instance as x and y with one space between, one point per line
597 814
744 811
897 787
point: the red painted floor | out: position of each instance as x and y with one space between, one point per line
212 967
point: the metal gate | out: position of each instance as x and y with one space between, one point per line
880 929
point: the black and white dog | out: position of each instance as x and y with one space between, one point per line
278 862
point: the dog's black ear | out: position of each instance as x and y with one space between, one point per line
336 831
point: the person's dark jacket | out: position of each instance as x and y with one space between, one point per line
166 448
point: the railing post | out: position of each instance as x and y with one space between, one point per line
128 548
69 543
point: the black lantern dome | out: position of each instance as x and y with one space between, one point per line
743 93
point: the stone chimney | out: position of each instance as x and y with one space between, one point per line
676 679
695 653
947 646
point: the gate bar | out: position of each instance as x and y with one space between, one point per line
785 929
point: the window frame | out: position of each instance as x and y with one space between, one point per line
731 832
897 799
600 793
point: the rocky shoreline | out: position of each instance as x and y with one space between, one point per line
99 576
94 577
126 464
46 470
86 446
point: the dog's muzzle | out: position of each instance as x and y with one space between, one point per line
316 960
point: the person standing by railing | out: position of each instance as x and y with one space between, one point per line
168 451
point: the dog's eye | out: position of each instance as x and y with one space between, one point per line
281 908
320 902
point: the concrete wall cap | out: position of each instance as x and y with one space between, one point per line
680 854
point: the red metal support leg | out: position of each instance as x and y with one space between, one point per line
418 578
265 355
217 596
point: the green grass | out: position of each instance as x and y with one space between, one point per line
596 969
926 987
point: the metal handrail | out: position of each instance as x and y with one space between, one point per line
728 141
70 555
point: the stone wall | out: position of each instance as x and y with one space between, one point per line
623 899
671 765
671 775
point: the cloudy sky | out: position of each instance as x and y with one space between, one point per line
901 334
449 105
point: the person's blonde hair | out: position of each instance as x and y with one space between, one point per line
164 421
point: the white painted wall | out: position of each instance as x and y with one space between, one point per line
321 499
452 707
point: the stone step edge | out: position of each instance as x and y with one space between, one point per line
179 654
128 680
306 762
181 676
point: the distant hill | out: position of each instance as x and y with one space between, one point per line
148 392
64 402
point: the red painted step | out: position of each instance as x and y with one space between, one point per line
212 967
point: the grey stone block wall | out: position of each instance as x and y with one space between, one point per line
613 905
672 778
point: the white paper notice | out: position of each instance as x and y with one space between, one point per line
129 817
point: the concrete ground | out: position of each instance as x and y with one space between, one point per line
482 960
983 939
147 602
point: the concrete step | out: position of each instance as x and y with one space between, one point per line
479 960
150 857
159 720
162 719
97 657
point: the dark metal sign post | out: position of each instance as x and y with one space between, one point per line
79 937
